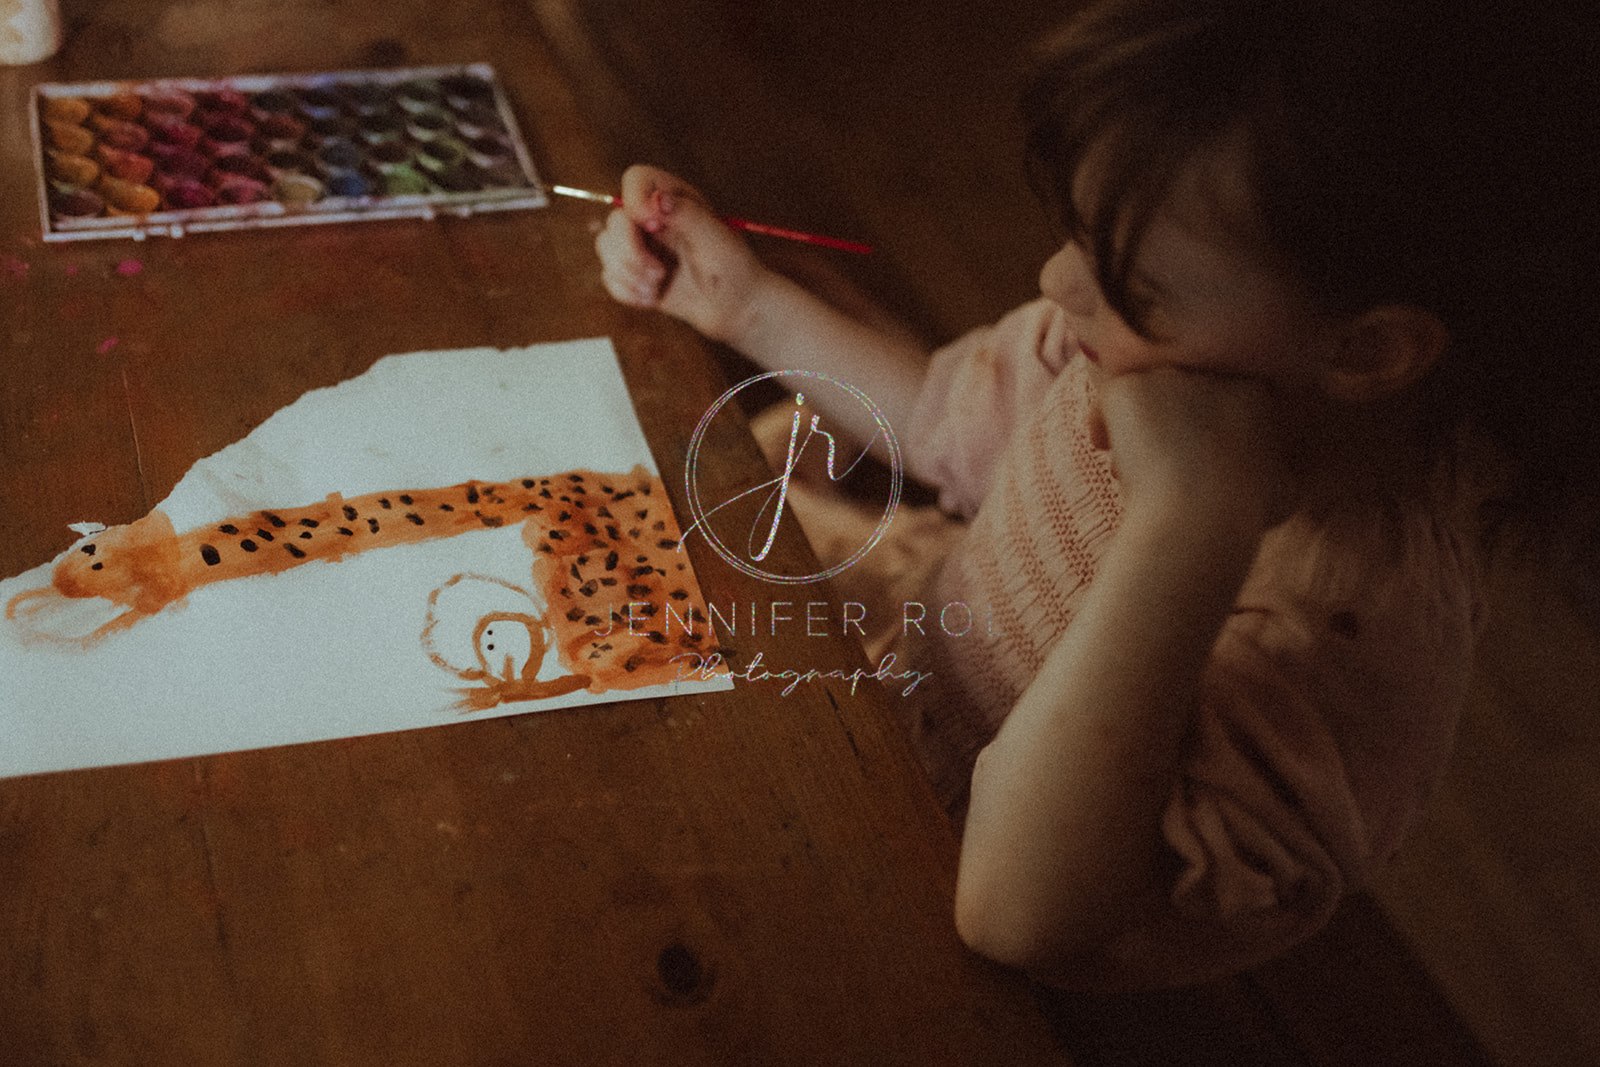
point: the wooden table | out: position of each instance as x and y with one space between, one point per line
737 878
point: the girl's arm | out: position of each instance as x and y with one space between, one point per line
663 248
1062 845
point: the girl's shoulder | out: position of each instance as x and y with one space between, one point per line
979 389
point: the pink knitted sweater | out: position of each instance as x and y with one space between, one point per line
1332 694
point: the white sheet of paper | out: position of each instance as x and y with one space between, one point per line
327 649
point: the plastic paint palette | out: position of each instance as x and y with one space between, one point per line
132 159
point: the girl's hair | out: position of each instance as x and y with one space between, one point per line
1399 152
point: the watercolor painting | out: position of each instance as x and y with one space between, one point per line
368 609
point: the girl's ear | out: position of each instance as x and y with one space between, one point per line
1382 351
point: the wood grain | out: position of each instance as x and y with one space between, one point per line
738 878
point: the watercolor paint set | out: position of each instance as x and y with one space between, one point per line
176 156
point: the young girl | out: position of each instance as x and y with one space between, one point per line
1222 484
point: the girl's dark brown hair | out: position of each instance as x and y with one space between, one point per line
1399 152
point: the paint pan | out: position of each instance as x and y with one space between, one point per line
175 156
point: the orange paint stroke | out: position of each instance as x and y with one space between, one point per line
598 540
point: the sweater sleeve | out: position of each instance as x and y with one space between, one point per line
978 389
1323 723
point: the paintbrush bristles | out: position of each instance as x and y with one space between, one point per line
583 194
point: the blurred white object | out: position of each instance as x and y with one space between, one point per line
30 30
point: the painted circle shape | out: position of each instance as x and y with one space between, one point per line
699 515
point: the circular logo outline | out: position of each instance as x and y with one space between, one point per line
699 515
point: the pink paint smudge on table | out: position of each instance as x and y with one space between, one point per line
105 347
72 270
17 268
129 267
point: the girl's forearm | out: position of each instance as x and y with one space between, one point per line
785 327
1063 826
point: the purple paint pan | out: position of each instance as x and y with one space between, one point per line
78 204
227 135
241 191
232 168
175 131
180 156
181 162
225 101
285 130
187 195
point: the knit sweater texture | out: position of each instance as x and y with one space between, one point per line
1330 700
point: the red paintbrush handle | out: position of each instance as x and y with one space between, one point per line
799 235
739 224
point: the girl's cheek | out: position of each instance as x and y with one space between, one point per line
1128 353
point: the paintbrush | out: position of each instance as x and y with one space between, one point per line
737 223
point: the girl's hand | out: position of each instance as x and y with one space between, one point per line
664 248
1203 448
